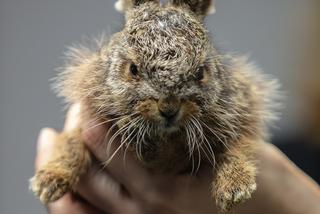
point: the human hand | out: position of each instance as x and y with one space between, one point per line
126 187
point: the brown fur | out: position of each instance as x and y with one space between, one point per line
70 160
222 103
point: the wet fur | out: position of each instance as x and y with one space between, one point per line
221 118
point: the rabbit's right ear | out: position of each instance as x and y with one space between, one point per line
125 5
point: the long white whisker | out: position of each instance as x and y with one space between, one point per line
193 144
198 128
205 142
132 123
119 131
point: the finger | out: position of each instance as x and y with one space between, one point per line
45 146
123 167
141 184
95 136
101 190
47 136
70 204
97 187
73 117
138 181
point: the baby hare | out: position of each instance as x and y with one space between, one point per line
176 101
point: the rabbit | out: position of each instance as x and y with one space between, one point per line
175 99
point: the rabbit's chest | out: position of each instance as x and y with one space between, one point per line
165 156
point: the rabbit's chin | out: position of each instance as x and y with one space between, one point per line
169 129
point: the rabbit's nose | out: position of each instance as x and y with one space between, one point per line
169 106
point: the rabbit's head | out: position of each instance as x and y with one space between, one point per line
161 76
162 66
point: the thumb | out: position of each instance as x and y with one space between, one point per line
45 145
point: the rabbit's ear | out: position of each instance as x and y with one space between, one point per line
200 7
124 5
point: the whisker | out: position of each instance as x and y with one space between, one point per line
122 141
193 144
215 134
118 132
127 147
138 143
205 142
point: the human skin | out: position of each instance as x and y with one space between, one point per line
123 186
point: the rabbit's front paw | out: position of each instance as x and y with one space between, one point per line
49 185
234 193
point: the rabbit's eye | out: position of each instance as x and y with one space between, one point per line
200 74
134 70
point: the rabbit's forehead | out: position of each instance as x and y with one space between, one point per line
166 37
168 27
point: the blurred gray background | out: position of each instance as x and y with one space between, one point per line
33 37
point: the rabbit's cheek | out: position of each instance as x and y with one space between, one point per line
148 109
188 110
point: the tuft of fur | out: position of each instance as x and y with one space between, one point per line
174 98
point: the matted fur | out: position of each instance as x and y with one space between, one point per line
221 103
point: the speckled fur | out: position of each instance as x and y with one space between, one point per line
221 116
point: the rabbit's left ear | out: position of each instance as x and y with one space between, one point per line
201 8
124 5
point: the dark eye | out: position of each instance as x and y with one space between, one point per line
200 74
134 70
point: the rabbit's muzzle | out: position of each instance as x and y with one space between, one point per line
169 112
169 108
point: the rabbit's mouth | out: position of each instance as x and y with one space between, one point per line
168 115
